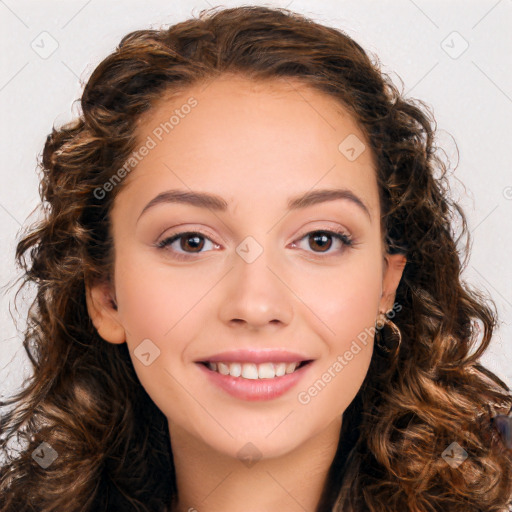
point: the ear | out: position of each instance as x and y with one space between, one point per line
393 269
103 312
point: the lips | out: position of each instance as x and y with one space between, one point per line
251 388
256 356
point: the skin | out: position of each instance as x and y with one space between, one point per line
256 145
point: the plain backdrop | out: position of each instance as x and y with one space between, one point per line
454 55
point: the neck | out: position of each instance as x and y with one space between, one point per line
209 481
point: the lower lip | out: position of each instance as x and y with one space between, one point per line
255 389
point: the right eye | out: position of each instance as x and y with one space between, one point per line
188 239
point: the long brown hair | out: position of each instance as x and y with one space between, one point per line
85 401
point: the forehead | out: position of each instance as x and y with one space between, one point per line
257 136
247 96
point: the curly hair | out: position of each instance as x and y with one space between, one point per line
84 399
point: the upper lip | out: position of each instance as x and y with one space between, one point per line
256 356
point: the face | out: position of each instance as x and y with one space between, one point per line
263 272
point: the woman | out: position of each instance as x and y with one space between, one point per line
258 367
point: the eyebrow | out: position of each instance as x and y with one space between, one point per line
217 203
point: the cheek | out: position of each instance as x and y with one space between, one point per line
344 299
342 308
157 301
154 300
165 307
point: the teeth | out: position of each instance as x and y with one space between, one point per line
266 371
254 371
280 369
249 371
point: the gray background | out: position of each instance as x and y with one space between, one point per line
454 55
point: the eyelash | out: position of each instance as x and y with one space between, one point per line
345 239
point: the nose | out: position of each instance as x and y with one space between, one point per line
257 293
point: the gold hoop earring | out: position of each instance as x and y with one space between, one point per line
384 323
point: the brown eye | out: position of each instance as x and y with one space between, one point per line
192 240
190 243
321 241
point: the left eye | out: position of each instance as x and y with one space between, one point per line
195 242
321 239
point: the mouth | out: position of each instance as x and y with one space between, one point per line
255 381
255 371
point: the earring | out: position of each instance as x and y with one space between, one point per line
383 322
503 424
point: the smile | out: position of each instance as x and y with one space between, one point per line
254 371
247 383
